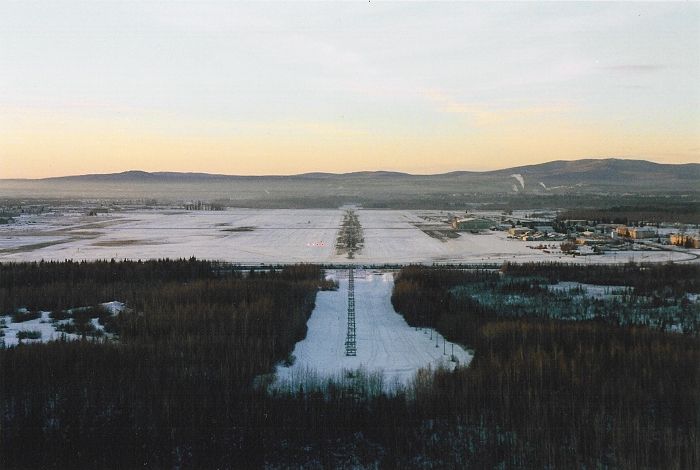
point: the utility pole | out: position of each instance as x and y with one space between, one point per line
350 341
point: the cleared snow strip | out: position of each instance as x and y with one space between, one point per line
386 345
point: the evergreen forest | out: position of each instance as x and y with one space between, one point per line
180 381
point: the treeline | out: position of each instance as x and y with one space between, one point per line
645 278
655 213
55 286
564 394
47 272
422 296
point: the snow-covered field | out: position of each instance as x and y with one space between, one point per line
385 342
272 236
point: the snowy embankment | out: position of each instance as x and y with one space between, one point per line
386 345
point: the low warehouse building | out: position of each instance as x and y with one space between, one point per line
518 231
637 232
642 232
472 224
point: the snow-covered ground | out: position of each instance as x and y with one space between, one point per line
47 327
273 236
385 342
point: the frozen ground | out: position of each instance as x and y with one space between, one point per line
273 236
385 342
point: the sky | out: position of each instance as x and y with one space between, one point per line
287 88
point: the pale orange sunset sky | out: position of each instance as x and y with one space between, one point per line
94 87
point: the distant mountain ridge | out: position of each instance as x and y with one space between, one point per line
568 170
608 168
589 176
614 174
145 175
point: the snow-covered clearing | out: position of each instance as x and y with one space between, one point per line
43 325
47 327
590 290
275 236
385 343
114 307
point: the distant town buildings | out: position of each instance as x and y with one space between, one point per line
581 236
202 206
685 240
637 233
